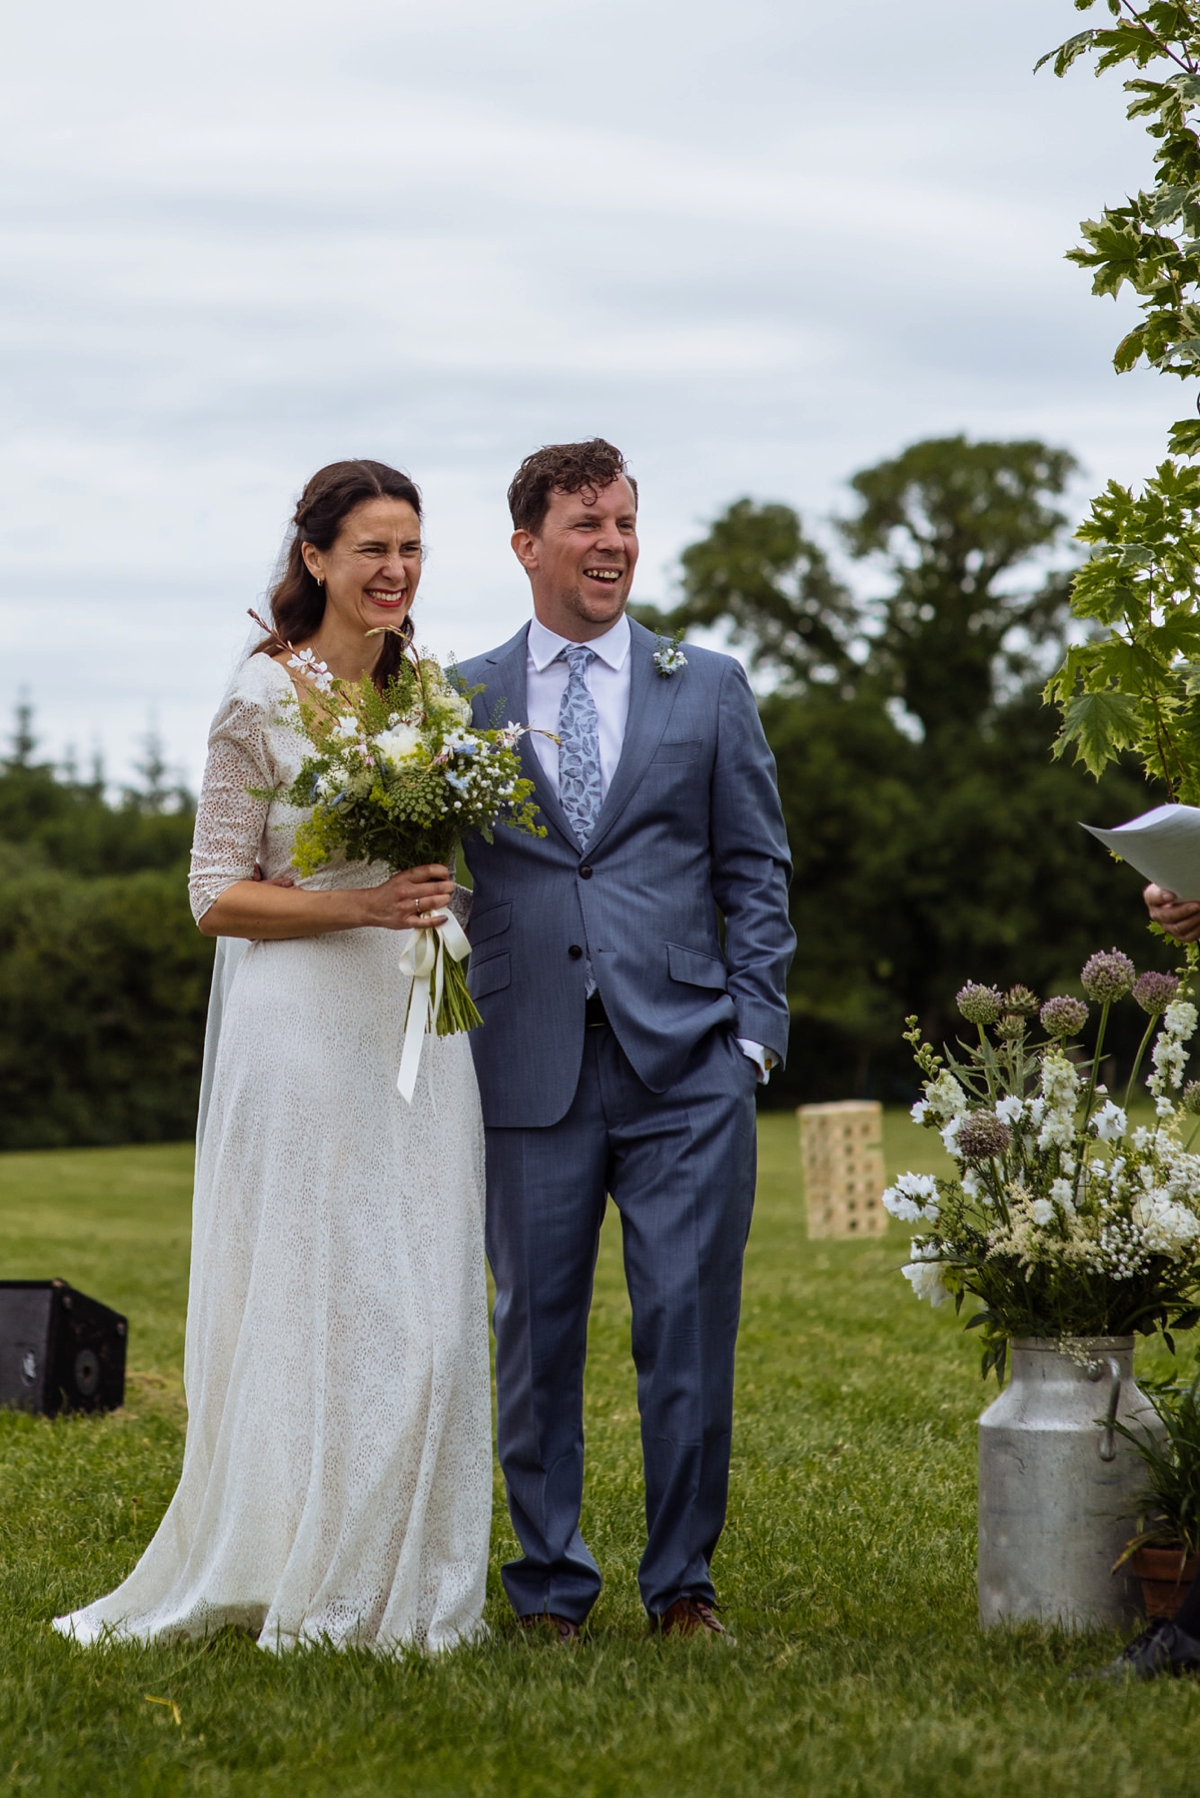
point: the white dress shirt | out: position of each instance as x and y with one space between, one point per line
607 679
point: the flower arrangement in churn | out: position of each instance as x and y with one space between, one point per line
1065 1220
398 776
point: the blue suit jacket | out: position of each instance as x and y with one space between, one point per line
690 833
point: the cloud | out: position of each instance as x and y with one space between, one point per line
758 247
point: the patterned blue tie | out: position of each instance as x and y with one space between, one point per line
579 745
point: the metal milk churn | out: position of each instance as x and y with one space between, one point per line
1056 1484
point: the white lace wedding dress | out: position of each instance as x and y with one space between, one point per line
337 1474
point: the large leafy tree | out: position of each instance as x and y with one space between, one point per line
952 522
1133 685
934 840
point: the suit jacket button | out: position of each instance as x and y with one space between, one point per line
585 873
575 952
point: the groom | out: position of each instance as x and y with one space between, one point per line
630 969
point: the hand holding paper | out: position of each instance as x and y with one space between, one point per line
1163 844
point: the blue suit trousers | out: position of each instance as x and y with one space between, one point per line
680 1168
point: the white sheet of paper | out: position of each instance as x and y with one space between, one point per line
1164 845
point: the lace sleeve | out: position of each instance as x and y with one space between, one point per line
229 823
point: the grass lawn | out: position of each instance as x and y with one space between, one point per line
847 1567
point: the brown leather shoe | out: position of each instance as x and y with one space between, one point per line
692 1617
560 1630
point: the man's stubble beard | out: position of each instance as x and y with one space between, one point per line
575 603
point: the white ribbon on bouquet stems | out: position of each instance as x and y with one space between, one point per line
423 956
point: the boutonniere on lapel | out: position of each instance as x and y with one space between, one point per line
669 657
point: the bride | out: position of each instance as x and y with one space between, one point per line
337 1473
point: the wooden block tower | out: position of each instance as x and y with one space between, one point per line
843 1167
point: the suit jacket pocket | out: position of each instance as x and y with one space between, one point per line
694 968
684 750
491 975
492 922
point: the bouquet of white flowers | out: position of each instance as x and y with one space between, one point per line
397 776
1062 1218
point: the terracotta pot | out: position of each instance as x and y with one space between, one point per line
1166 1575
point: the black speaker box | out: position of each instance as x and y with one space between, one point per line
59 1350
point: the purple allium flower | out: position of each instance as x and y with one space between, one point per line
981 1135
1063 1016
1020 1002
1191 1096
1108 975
1154 992
979 1004
1010 1029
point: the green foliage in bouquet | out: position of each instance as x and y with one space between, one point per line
1169 1501
1062 1219
396 776
1135 684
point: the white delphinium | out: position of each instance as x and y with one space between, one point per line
1109 1123
924 1273
1181 1018
1042 1212
1170 1055
949 1135
1010 1109
1062 1193
1060 1085
913 1198
945 1098
347 727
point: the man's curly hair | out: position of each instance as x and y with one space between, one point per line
563 468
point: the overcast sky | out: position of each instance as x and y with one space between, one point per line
759 246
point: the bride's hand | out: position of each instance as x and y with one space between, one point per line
405 901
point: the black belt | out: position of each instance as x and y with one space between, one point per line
594 1013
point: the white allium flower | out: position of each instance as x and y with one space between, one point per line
1010 1108
1109 1123
1042 1212
399 745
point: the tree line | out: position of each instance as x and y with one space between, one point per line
103 975
935 837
